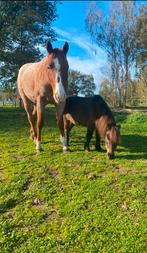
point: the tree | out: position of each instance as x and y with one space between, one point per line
107 92
80 83
116 34
87 85
74 80
24 25
141 38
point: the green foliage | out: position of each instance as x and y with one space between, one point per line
24 25
71 202
107 92
80 83
141 38
122 35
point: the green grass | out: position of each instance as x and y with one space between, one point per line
74 202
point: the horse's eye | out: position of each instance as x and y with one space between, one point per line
51 66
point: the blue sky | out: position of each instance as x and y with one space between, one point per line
70 26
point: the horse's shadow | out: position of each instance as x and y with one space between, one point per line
136 145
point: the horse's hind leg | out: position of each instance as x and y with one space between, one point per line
88 138
28 109
32 131
39 107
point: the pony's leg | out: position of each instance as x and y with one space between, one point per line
39 108
97 143
88 139
67 128
70 126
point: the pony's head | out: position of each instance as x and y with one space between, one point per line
112 138
58 71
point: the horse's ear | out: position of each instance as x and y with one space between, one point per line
49 47
65 48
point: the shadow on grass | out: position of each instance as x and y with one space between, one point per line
135 144
10 203
15 118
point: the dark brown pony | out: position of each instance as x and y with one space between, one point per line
94 113
41 83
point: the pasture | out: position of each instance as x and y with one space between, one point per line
77 202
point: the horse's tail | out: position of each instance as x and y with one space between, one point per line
17 91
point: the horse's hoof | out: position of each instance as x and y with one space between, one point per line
39 150
66 150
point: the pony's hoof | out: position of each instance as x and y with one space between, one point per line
99 149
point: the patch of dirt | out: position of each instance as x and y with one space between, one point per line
120 169
18 156
51 171
53 214
26 185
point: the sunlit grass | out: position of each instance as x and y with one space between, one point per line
71 202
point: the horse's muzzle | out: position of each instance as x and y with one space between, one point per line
59 98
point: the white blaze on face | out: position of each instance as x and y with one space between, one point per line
59 94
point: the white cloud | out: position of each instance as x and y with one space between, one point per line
83 41
95 57
88 66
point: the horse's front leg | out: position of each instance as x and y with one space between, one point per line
97 143
63 133
60 123
39 108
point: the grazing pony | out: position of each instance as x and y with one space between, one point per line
41 83
94 113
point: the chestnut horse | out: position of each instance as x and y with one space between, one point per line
94 113
41 83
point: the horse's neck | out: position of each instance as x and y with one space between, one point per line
102 123
42 71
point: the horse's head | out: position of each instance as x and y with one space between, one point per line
58 70
112 138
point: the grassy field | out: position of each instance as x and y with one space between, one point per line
74 202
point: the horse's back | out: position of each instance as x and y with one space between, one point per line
87 110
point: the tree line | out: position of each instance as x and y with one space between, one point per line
122 35
26 25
